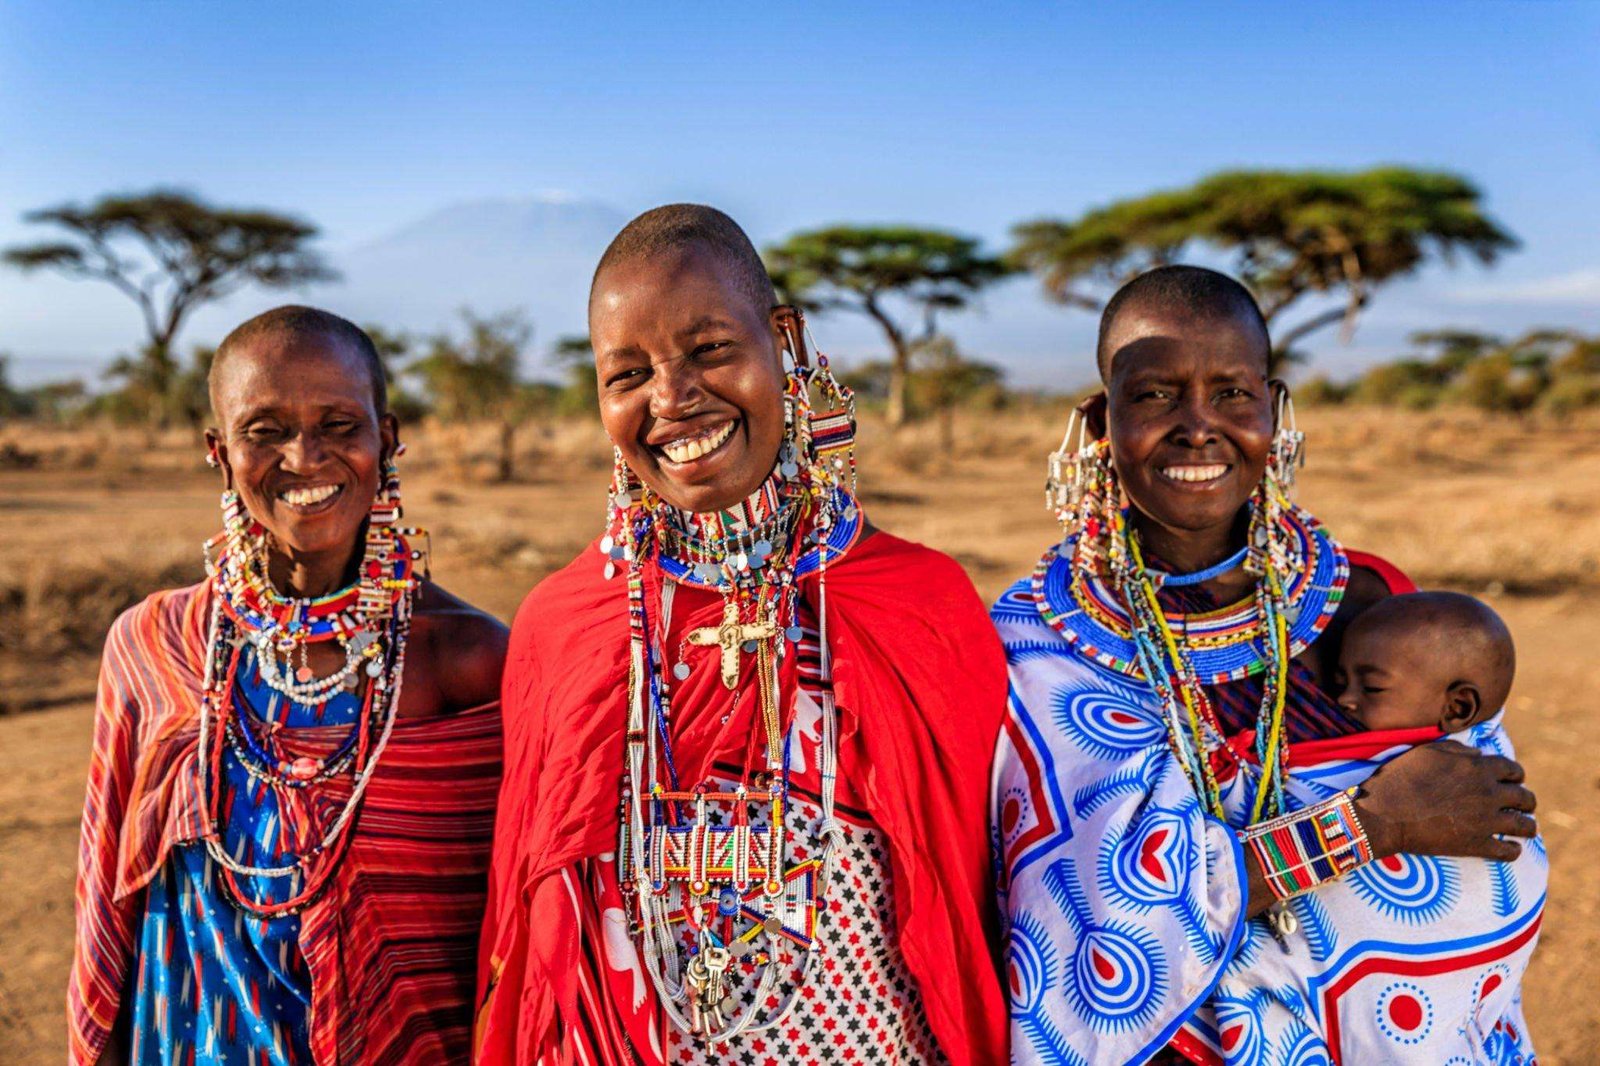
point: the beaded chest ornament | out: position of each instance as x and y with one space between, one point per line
728 882
370 620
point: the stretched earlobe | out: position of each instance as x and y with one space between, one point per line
1093 412
791 324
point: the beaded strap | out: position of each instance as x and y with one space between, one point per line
1307 848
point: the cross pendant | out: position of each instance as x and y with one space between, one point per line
730 636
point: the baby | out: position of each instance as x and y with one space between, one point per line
1425 659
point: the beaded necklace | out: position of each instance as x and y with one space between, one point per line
1119 622
371 619
801 518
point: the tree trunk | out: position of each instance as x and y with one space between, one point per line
508 444
899 383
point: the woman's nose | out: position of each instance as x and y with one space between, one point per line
1197 422
676 389
304 452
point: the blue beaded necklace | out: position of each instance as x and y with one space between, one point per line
1200 577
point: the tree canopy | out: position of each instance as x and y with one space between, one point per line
479 376
171 253
1285 234
874 270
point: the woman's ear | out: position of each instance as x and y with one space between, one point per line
1463 702
789 322
217 456
389 435
1093 413
1278 391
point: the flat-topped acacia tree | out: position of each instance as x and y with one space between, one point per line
875 269
171 253
1287 234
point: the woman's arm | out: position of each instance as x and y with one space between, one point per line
1439 799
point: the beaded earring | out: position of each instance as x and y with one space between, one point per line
818 437
1082 491
1273 546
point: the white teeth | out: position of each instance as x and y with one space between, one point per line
307 497
682 451
1195 473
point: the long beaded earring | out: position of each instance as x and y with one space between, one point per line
1272 544
1082 491
819 437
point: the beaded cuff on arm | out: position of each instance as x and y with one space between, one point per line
1303 849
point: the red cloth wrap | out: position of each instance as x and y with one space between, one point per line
920 682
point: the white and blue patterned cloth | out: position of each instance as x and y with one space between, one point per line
1124 901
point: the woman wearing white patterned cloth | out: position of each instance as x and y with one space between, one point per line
1202 858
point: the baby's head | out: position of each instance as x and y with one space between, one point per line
1425 659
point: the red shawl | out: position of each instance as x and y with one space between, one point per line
390 943
920 680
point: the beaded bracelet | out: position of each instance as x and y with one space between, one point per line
1303 849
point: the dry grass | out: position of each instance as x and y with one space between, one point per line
1496 506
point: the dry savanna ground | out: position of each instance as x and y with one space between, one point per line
1505 509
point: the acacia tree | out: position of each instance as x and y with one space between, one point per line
1286 234
171 253
579 393
871 270
478 376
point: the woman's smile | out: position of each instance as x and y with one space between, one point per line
693 450
1191 476
311 499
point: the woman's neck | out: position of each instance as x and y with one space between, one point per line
1188 551
307 575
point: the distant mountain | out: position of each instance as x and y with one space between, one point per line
493 255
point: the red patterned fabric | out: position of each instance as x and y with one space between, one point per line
920 681
390 945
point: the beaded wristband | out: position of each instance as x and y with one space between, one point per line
1306 848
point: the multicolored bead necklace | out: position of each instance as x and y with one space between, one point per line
803 517
1118 621
371 619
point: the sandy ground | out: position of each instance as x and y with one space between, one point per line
1504 510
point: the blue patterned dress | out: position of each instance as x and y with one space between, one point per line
215 984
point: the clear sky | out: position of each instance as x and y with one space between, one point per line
366 116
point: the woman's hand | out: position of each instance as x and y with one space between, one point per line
1447 799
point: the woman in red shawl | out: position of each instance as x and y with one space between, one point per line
286 839
746 733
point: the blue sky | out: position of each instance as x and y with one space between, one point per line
367 116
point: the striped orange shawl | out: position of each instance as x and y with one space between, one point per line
391 946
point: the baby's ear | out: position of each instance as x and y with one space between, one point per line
1462 705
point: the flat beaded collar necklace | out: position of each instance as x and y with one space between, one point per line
735 874
371 619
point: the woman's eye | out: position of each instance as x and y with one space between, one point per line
709 349
631 376
1154 394
263 432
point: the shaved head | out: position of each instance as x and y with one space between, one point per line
675 227
1455 634
1204 294
294 322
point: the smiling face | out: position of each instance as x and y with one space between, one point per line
1189 413
691 376
301 438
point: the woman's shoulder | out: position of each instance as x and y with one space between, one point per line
466 645
162 618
